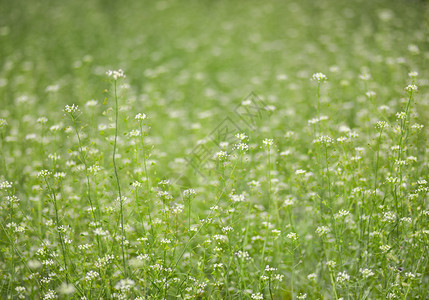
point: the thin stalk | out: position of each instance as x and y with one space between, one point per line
117 180
144 157
57 221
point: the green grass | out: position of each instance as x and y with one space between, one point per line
322 196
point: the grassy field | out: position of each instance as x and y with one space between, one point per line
214 149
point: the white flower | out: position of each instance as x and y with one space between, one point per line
71 109
331 264
322 230
141 116
414 49
292 235
5 185
241 136
257 296
91 275
227 229
324 140
43 173
343 277
365 76
241 146
319 77
411 88
342 213
268 142
116 74
125 284
189 193
381 125
366 273
413 74
370 94
42 120
221 155
91 103
385 248
66 289
50 294
3 123
401 115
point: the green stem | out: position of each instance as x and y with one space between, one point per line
117 180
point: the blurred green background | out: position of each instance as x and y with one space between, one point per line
190 62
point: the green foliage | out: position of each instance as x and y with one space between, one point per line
155 185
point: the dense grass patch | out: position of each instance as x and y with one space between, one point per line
248 149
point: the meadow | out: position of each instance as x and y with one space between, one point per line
214 149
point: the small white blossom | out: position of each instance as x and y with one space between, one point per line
116 74
320 77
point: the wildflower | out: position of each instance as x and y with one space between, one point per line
55 128
50 294
414 49
411 88
292 236
417 126
20 290
385 248
401 115
370 94
66 289
288 202
365 76
164 195
227 229
268 142
312 276
94 169
3 123
91 103
331 264
140 117
237 198
125 284
322 230
116 74
42 120
241 147
5 185
300 172
301 296
342 213
324 140
343 277
222 156
269 269
413 74
134 133
276 233
71 109
189 193
320 77
91 275
165 241
43 174
381 125
242 254
257 296
241 136
366 273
